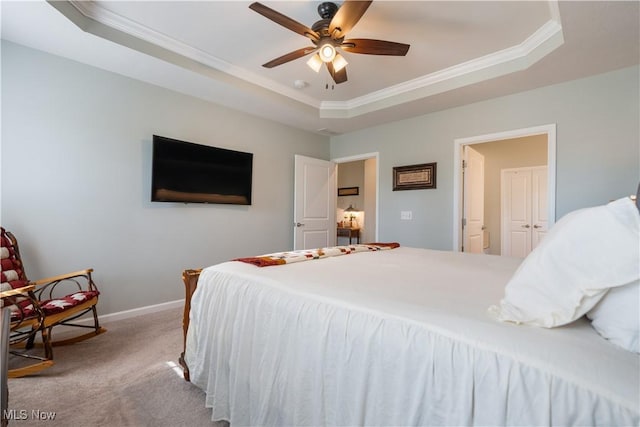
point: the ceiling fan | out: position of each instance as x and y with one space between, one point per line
328 34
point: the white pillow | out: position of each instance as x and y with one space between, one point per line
587 252
617 316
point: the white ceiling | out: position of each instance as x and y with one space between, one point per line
461 52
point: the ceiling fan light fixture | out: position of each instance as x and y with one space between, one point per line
328 35
327 52
315 62
339 62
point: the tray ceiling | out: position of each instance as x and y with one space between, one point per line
461 52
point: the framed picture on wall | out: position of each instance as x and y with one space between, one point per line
414 177
348 191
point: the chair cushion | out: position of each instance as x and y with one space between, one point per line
22 310
12 272
58 305
52 306
12 276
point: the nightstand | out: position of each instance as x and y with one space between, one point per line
350 233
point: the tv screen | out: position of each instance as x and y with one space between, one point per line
193 173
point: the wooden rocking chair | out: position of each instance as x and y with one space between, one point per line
40 305
26 320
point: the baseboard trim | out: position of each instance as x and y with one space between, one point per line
135 312
120 315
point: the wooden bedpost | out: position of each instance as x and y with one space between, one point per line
190 279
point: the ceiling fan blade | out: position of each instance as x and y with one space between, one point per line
375 47
289 57
285 21
338 76
347 17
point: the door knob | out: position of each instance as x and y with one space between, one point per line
298 224
526 226
537 226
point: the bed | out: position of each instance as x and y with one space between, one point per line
383 335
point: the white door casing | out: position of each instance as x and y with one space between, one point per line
523 209
549 130
371 192
473 219
314 212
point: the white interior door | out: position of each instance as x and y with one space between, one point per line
539 209
473 203
524 210
516 213
314 212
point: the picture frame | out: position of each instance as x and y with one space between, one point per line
348 191
414 177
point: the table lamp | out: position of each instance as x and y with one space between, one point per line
352 211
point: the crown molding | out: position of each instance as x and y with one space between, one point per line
93 11
543 41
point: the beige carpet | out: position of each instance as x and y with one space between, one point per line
120 378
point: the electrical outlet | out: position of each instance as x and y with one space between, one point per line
406 215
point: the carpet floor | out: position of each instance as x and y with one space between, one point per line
128 376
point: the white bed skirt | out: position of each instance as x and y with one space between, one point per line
287 354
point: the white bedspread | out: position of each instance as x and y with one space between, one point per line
398 337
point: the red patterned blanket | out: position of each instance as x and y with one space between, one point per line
281 258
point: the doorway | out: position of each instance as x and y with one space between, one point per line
508 140
359 171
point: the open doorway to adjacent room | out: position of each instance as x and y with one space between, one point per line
504 191
357 199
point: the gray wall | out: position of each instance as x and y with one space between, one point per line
76 162
598 155
76 146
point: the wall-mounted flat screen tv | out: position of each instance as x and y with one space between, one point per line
193 173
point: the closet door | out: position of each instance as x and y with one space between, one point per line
516 213
524 210
539 212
